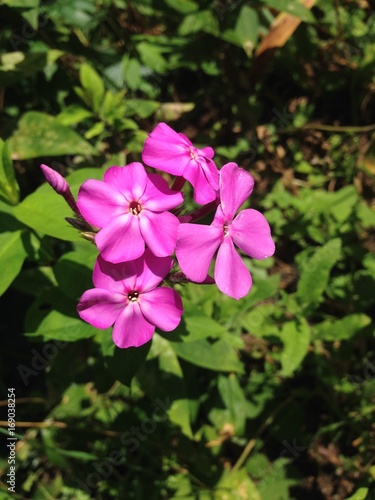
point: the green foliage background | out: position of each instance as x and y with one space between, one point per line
270 397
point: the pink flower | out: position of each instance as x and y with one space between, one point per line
171 152
249 230
127 295
55 180
131 208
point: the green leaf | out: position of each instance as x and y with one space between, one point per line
123 363
151 56
203 20
275 480
141 107
44 211
235 401
292 7
260 321
195 326
183 6
136 142
132 73
218 355
179 412
21 3
342 329
236 484
41 135
73 114
162 377
263 289
35 281
73 271
97 129
93 85
295 336
12 255
366 215
31 16
343 203
18 65
53 316
8 183
315 273
246 29
76 178
114 107
360 494
81 14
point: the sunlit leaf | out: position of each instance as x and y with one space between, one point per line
39 135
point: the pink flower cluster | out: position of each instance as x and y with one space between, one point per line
135 222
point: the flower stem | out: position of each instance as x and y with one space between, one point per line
69 198
178 184
202 211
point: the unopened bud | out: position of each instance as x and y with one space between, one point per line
79 224
55 180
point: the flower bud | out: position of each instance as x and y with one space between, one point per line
55 180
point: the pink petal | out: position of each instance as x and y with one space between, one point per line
121 240
166 150
208 152
131 328
130 180
191 171
162 307
211 172
196 245
153 271
204 192
158 197
251 232
159 232
186 139
100 307
118 278
164 133
204 177
231 275
99 203
236 185
220 219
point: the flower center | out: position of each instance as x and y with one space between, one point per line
226 229
133 296
192 154
135 208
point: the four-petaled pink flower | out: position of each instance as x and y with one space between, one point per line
174 153
127 295
249 230
130 206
